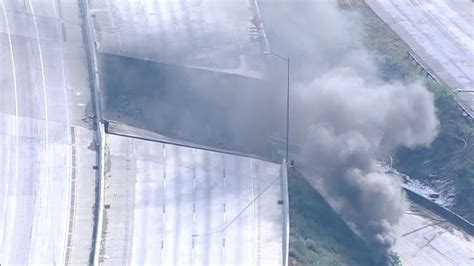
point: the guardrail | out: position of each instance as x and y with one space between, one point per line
428 72
100 129
265 48
440 210
434 77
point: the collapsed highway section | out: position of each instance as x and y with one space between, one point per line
170 203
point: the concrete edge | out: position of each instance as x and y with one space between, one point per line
286 213
171 141
100 131
445 213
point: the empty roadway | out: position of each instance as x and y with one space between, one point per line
47 180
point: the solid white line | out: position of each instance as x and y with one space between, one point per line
45 102
17 128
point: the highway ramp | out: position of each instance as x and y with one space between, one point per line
441 33
168 204
47 180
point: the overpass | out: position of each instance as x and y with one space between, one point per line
167 201
73 194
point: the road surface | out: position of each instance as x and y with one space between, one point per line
441 33
170 205
46 175
208 34
427 239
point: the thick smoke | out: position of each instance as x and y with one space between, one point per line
344 114
348 120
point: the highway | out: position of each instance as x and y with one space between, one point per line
441 33
424 238
172 205
46 175
208 34
164 203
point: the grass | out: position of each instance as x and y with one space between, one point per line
318 236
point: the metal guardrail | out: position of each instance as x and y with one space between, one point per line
428 72
100 129
434 77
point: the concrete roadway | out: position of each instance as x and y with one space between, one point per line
210 34
172 205
441 33
424 238
47 180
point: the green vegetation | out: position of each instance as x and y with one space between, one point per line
395 259
318 236
448 164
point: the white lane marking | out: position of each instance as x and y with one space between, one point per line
17 130
45 102
71 209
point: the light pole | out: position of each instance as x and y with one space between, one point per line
287 59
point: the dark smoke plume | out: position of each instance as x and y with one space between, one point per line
348 121
344 114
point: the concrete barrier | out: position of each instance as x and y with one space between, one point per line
441 211
100 129
286 212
